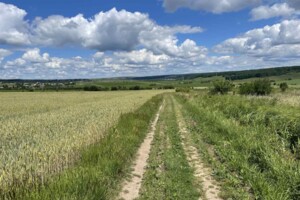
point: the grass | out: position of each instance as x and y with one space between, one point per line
292 79
282 120
168 175
249 160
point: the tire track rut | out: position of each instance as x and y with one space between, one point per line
130 189
205 181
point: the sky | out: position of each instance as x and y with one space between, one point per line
66 39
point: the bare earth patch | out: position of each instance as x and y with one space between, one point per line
202 173
130 189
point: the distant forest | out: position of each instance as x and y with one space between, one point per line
231 75
261 73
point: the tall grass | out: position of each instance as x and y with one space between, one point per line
277 119
249 156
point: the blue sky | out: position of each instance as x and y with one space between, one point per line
97 38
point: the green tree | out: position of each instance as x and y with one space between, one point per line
221 87
262 87
283 86
247 89
257 87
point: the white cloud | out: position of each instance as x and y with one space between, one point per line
142 62
14 30
4 53
221 60
140 57
57 30
98 55
17 63
190 49
278 40
140 45
34 64
277 10
214 6
106 31
34 56
111 30
163 40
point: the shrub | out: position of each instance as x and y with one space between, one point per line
262 87
137 87
283 86
90 88
185 90
114 88
247 89
95 88
122 88
257 87
221 87
168 87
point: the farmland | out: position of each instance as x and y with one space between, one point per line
41 133
83 145
150 100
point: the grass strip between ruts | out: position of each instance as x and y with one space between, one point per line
168 175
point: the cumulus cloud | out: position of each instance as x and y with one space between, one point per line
106 31
4 53
35 64
279 40
277 10
140 62
140 57
214 6
111 30
14 29
34 56
138 43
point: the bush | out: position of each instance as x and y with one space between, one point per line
283 86
168 87
91 88
257 87
221 87
185 90
95 88
137 87
114 88
247 89
262 87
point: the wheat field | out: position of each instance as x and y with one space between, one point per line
41 133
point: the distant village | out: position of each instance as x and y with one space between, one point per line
31 86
